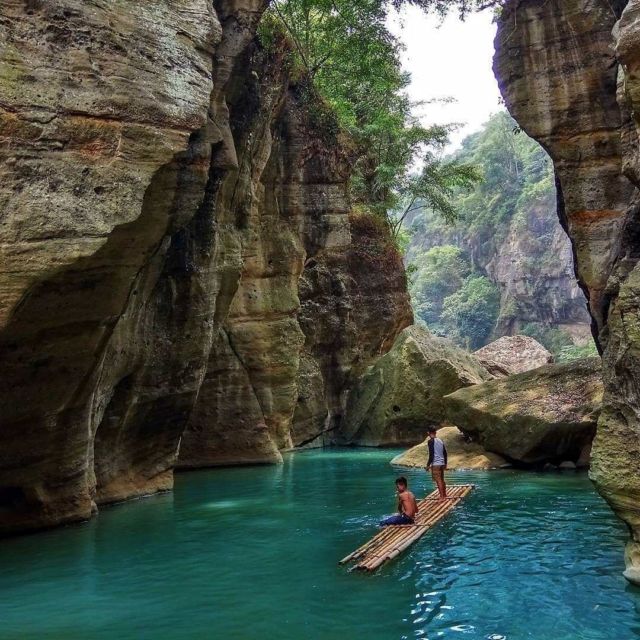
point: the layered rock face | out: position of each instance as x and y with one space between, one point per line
567 73
545 415
513 354
533 267
164 195
98 112
402 394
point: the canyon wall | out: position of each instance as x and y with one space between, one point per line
533 268
177 252
567 70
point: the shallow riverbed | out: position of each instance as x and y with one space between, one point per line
252 552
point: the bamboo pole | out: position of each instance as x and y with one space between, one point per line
364 547
380 550
379 537
393 543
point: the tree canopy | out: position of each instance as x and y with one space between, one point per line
346 51
512 211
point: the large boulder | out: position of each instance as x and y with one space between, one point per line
462 453
513 354
401 395
545 415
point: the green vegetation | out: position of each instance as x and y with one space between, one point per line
452 300
573 352
343 53
469 315
451 265
559 342
516 174
439 273
552 338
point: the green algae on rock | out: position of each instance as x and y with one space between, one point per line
548 414
401 395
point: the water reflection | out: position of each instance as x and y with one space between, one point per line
251 552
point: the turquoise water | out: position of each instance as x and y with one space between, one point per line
251 553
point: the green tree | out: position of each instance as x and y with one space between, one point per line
517 187
442 272
470 314
347 55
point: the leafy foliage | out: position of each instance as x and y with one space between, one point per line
553 338
463 7
442 271
574 352
345 50
517 192
452 300
469 314
516 174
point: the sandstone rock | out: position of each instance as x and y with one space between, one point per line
292 325
353 304
462 453
567 465
163 196
99 105
513 354
584 460
401 395
534 269
544 415
585 115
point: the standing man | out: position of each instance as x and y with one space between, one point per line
437 462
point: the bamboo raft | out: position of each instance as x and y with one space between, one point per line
392 540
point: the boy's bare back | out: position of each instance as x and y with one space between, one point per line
408 504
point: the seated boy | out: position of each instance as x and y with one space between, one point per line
407 505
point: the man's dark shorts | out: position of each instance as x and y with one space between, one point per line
399 518
437 471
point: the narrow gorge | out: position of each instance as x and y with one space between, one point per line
185 281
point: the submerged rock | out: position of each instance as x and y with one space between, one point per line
401 395
545 415
513 354
462 453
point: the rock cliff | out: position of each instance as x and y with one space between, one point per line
402 393
568 72
177 254
543 415
533 268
